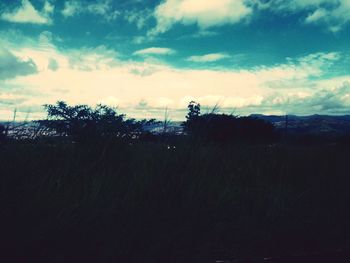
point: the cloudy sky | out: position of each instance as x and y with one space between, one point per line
143 56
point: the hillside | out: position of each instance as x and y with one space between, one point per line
312 124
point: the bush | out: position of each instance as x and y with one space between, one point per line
84 123
224 127
255 129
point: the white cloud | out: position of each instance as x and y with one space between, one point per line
313 65
330 97
316 15
110 101
335 18
208 57
71 8
48 8
155 51
205 14
332 13
26 13
296 5
92 75
138 17
101 7
205 33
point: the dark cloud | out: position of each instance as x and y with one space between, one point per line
53 65
334 100
12 66
325 101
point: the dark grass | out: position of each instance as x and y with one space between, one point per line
143 202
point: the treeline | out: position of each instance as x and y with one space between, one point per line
82 123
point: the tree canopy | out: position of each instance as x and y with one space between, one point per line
82 122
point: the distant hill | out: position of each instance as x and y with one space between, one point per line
312 124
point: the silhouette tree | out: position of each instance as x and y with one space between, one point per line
192 117
84 123
194 110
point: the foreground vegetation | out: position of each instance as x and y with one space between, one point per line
172 199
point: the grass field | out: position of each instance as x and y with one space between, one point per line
178 202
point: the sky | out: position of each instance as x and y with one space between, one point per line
148 57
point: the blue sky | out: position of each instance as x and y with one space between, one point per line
247 56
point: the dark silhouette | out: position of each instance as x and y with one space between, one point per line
2 132
156 197
224 127
194 110
84 123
